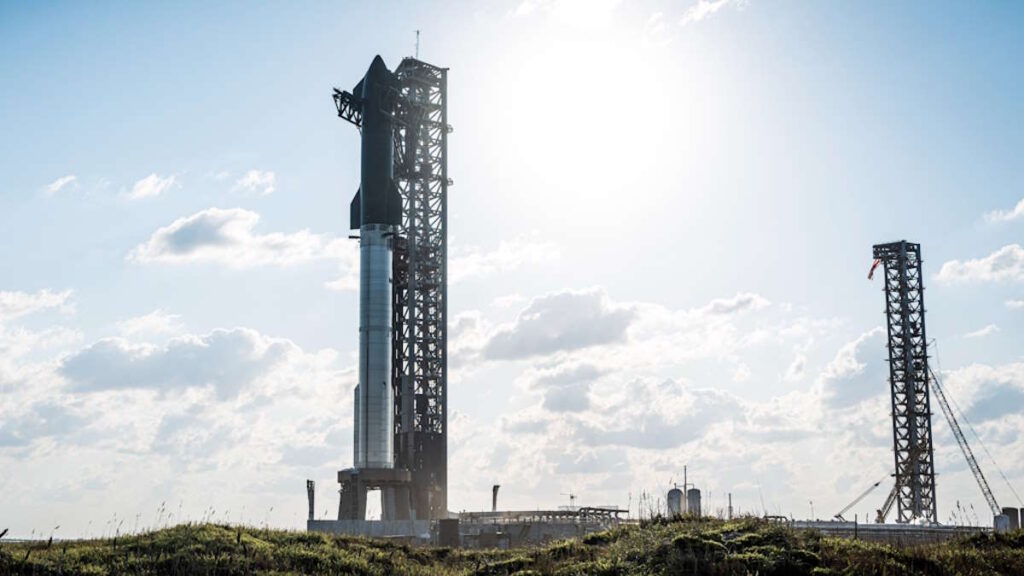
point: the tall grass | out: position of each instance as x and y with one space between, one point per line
657 547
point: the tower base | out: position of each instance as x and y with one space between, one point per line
393 483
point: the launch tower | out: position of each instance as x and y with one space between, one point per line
400 424
914 490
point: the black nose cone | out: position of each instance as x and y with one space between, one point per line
378 69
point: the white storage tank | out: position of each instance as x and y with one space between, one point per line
693 501
675 502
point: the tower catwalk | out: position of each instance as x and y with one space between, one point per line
914 489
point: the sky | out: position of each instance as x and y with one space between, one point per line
660 229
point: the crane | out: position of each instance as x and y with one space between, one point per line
940 395
839 515
890 500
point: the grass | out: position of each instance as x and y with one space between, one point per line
710 547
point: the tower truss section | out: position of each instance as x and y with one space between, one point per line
420 300
909 381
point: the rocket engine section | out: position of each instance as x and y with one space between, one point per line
375 211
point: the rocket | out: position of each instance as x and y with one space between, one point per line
375 211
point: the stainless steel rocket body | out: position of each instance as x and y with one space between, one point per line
375 399
375 211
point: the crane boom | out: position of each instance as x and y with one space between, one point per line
839 516
887 505
964 447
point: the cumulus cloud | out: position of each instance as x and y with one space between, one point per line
561 322
474 262
738 303
795 371
37 421
857 372
227 236
1015 304
18 343
256 182
196 411
1015 213
60 183
229 361
660 415
15 304
1007 263
566 387
705 9
982 332
155 323
986 393
150 187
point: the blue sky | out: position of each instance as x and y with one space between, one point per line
660 229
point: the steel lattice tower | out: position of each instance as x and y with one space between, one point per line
909 381
417 106
420 301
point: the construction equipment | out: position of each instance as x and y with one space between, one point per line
940 395
839 515
888 504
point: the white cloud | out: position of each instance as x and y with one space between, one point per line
473 262
194 411
256 181
60 183
229 361
1007 215
982 332
226 236
508 300
561 322
656 30
15 304
704 9
150 187
1007 263
565 387
987 393
856 373
795 371
738 303
156 323
1015 304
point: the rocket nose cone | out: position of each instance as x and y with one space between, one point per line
377 67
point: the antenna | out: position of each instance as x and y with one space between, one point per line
417 44
572 499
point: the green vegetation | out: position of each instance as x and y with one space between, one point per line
710 547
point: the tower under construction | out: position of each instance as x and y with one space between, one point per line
914 489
